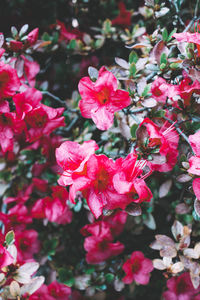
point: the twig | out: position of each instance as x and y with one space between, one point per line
196 8
60 101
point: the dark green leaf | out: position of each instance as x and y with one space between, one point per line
10 237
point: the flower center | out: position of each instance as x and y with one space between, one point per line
103 96
102 180
135 266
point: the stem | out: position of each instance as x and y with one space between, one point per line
196 8
60 101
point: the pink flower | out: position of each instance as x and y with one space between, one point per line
180 288
42 120
161 90
5 258
116 222
101 99
67 34
54 208
137 268
59 291
32 37
31 69
41 293
16 45
9 81
159 144
99 246
124 17
16 218
7 127
188 37
196 187
27 244
186 88
194 161
72 157
128 180
99 190
26 101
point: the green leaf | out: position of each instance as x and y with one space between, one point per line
133 57
50 246
45 37
170 35
165 35
159 113
66 276
107 26
174 65
163 59
134 128
10 237
162 66
132 70
146 90
72 44
90 270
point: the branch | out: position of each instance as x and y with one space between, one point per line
60 101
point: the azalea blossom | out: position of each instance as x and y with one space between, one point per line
189 37
99 245
137 268
6 258
54 208
179 288
124 17
27 244
59 291
9 81
186 88
7 127
161 90
128 180
158 142
102 98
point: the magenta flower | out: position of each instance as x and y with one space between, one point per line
137 268
5 257
124 17
161 90
9 81
180 288
194 161
186 88
59 291
128 180
101 99
54 208
27 244
32 37
26 101
161 146
7 127
99 245
72 157
188 37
